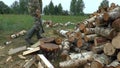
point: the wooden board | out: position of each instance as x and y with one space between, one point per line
43 59
31 51
16 50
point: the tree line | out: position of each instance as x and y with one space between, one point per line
21 7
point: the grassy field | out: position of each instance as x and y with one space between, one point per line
10 24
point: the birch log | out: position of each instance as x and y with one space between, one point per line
100 61
98 49
90 37
74 63
89 30
106 32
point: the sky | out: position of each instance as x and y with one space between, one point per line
90 5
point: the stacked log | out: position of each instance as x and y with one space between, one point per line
101 33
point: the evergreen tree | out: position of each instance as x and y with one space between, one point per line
15 7
56 10
4 9
60 9
46 10
23 6
51 8
73 7
104 4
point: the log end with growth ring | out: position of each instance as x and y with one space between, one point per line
58 40
96 64
79 43
109 49
116 42
82 26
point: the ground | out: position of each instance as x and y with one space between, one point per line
10 24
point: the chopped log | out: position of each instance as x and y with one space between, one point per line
78 42
109 33
63 33
90 37
118 56
58 40
89 30
9 59
109 49
29 63
16 50
75 56
78 35
100 20
100 40
44 61
113 64
87 65
98 49
40 65
116 42
31 51
74 63
116 24
114 14
118 66
66 48
21 57
100 61
85 23
49 47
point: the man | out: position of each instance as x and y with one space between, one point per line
37 28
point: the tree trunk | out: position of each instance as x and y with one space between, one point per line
109 49
74 63
100 61
91 37
116 42
89 30
106 32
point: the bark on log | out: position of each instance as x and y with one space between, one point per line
118 56
109 33
113 64
75 56
100 40
85 23
74 63
100 61
111 16
109 49
63 33
98 49
116 42
100 21
90 37
89 31
116 24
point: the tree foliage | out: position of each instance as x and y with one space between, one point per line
77 7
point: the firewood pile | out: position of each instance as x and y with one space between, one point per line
96 41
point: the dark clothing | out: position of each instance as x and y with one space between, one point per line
36 29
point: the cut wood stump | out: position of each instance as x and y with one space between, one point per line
116 42
109 49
